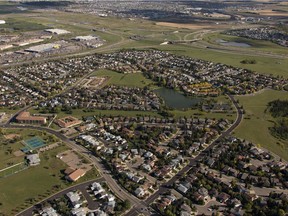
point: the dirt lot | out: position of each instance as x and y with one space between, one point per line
11 136
272 13
73 160
191 26
96 82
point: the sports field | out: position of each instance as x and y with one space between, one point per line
32 144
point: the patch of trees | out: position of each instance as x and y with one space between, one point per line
279 108
248 61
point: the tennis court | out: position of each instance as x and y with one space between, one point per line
34 143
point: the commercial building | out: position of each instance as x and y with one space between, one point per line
2 22
43 48
68 121
85 38
57 31
27 42
26 118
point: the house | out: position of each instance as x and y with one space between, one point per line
182 189
48 211
33 159
74 199
74 176
139 192
79 212
223 197
204 192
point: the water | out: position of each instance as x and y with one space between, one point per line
176 100
232 43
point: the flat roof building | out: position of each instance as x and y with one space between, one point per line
68 121
26 118
57 31
33 159
74 176
43 48
2 21
85 38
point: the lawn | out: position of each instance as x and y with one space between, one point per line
8 147
256 122
79 113
131 80
197 113
262 45
34 182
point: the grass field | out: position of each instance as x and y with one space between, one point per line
34 182
132 80
255 125
79 113
261 45
8 147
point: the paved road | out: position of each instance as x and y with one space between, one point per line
81 187
193 161
138 205
114 186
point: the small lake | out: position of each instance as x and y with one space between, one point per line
232 43
175 99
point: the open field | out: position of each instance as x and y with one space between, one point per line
256 123
270 12
191 26
132 79
9 146
35 182
256 45
200 114
264 65
79 113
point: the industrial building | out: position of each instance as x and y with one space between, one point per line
57 31
2 22
85 38
43 48
27 42
26 118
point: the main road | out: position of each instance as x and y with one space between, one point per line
139 206
193 161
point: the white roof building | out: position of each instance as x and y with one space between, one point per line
33 159
2 21
85 38
57 31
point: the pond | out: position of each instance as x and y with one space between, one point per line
176 100
232 43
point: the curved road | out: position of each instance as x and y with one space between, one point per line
139 206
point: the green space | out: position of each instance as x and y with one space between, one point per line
260 45
79 113
9 146
256 123
36 183
33 184
130 79
21 25
197 113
